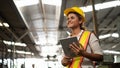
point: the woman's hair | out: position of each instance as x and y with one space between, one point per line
80 18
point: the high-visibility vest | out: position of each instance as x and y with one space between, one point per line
83 40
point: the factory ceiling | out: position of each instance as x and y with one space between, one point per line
39 25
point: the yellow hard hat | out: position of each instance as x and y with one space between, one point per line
77 10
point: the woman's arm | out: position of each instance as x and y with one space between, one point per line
81 52
91 56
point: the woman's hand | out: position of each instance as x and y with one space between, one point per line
66 60
77 48
81 52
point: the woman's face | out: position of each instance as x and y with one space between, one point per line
72 21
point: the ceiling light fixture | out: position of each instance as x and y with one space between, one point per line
4 24
104 36
52 2
100 6
22 3
21 52
115 35
14 43
111 52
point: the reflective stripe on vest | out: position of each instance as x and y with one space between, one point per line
77 61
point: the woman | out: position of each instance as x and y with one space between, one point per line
89 49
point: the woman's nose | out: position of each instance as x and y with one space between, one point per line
69 20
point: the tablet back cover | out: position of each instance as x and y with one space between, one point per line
65 45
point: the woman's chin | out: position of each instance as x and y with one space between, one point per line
70 26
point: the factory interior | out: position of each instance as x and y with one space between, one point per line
30 31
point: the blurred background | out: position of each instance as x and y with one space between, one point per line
30 31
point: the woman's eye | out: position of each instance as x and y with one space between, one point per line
72 17
67 18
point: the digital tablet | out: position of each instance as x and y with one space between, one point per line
65 45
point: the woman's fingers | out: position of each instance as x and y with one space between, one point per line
76 48
75 45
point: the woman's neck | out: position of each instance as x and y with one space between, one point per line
75 32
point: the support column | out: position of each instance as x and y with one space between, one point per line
94 18
118 27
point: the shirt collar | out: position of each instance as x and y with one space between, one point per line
78 36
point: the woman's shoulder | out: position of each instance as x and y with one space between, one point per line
86 31
91 32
